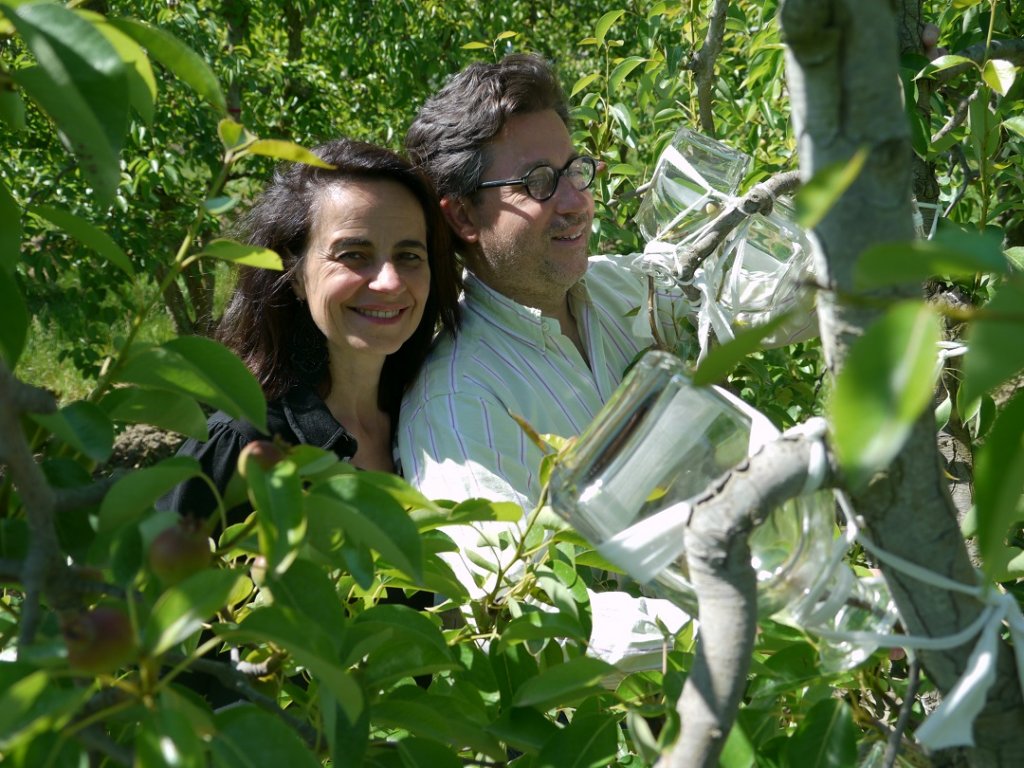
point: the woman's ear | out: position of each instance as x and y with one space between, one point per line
461 218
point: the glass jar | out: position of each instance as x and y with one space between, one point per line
629 482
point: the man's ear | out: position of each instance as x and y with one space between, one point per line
461 218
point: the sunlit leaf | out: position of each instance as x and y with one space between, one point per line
999 74
886 383
944 62
583 82
816 198
87 233
622 70
200 368
722 359
277 494
181 610
994 340
240 253
999 481
80 82
606 22
177 57
141 81
285 150
1015 124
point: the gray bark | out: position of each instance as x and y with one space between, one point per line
842 70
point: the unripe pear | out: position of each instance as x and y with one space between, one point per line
263 452
100 640
179 551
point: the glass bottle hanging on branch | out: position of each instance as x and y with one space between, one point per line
628 484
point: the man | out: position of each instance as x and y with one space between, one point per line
546 332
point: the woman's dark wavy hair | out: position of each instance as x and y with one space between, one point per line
272 331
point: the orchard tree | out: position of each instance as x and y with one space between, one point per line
130 637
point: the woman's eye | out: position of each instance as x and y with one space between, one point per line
412 256
346 255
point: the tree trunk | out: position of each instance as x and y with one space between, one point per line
842 70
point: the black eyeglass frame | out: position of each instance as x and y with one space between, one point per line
524 180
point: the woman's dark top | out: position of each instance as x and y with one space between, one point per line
299 417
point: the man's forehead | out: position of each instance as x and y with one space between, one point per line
527 140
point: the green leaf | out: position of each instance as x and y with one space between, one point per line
886 384
80 82
1015 256
506 35
285 150
13 319
136 492
524 729
721 360
605 23
424 753
1015 124
87 234
589 741
305 588
816 198
182 61
944 62
999 74
141 81
438 717
200 368
12 109
367 515
166 410
240 253
993 339
248 738
951 253
412 645
583 82
563 684
827 737
474 46
82 425
999 482
10 230
309 644
233 134
282 524
181 611
622 70
167 736
23 685
540 625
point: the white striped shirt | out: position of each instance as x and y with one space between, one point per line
457 438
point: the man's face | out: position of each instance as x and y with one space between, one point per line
531 251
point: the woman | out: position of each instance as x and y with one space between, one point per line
337 336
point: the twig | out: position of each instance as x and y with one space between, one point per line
892 749
760 199
958 116
703 65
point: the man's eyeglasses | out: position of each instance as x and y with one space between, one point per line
542 181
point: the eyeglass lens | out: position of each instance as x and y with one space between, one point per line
542 181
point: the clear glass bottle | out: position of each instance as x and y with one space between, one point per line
629 481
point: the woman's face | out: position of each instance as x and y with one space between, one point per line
365 273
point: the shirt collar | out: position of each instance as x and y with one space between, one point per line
515 318
313 424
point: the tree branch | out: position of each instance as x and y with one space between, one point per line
759 200
1010 50
725 583
703 66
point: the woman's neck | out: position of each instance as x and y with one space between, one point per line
353 400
